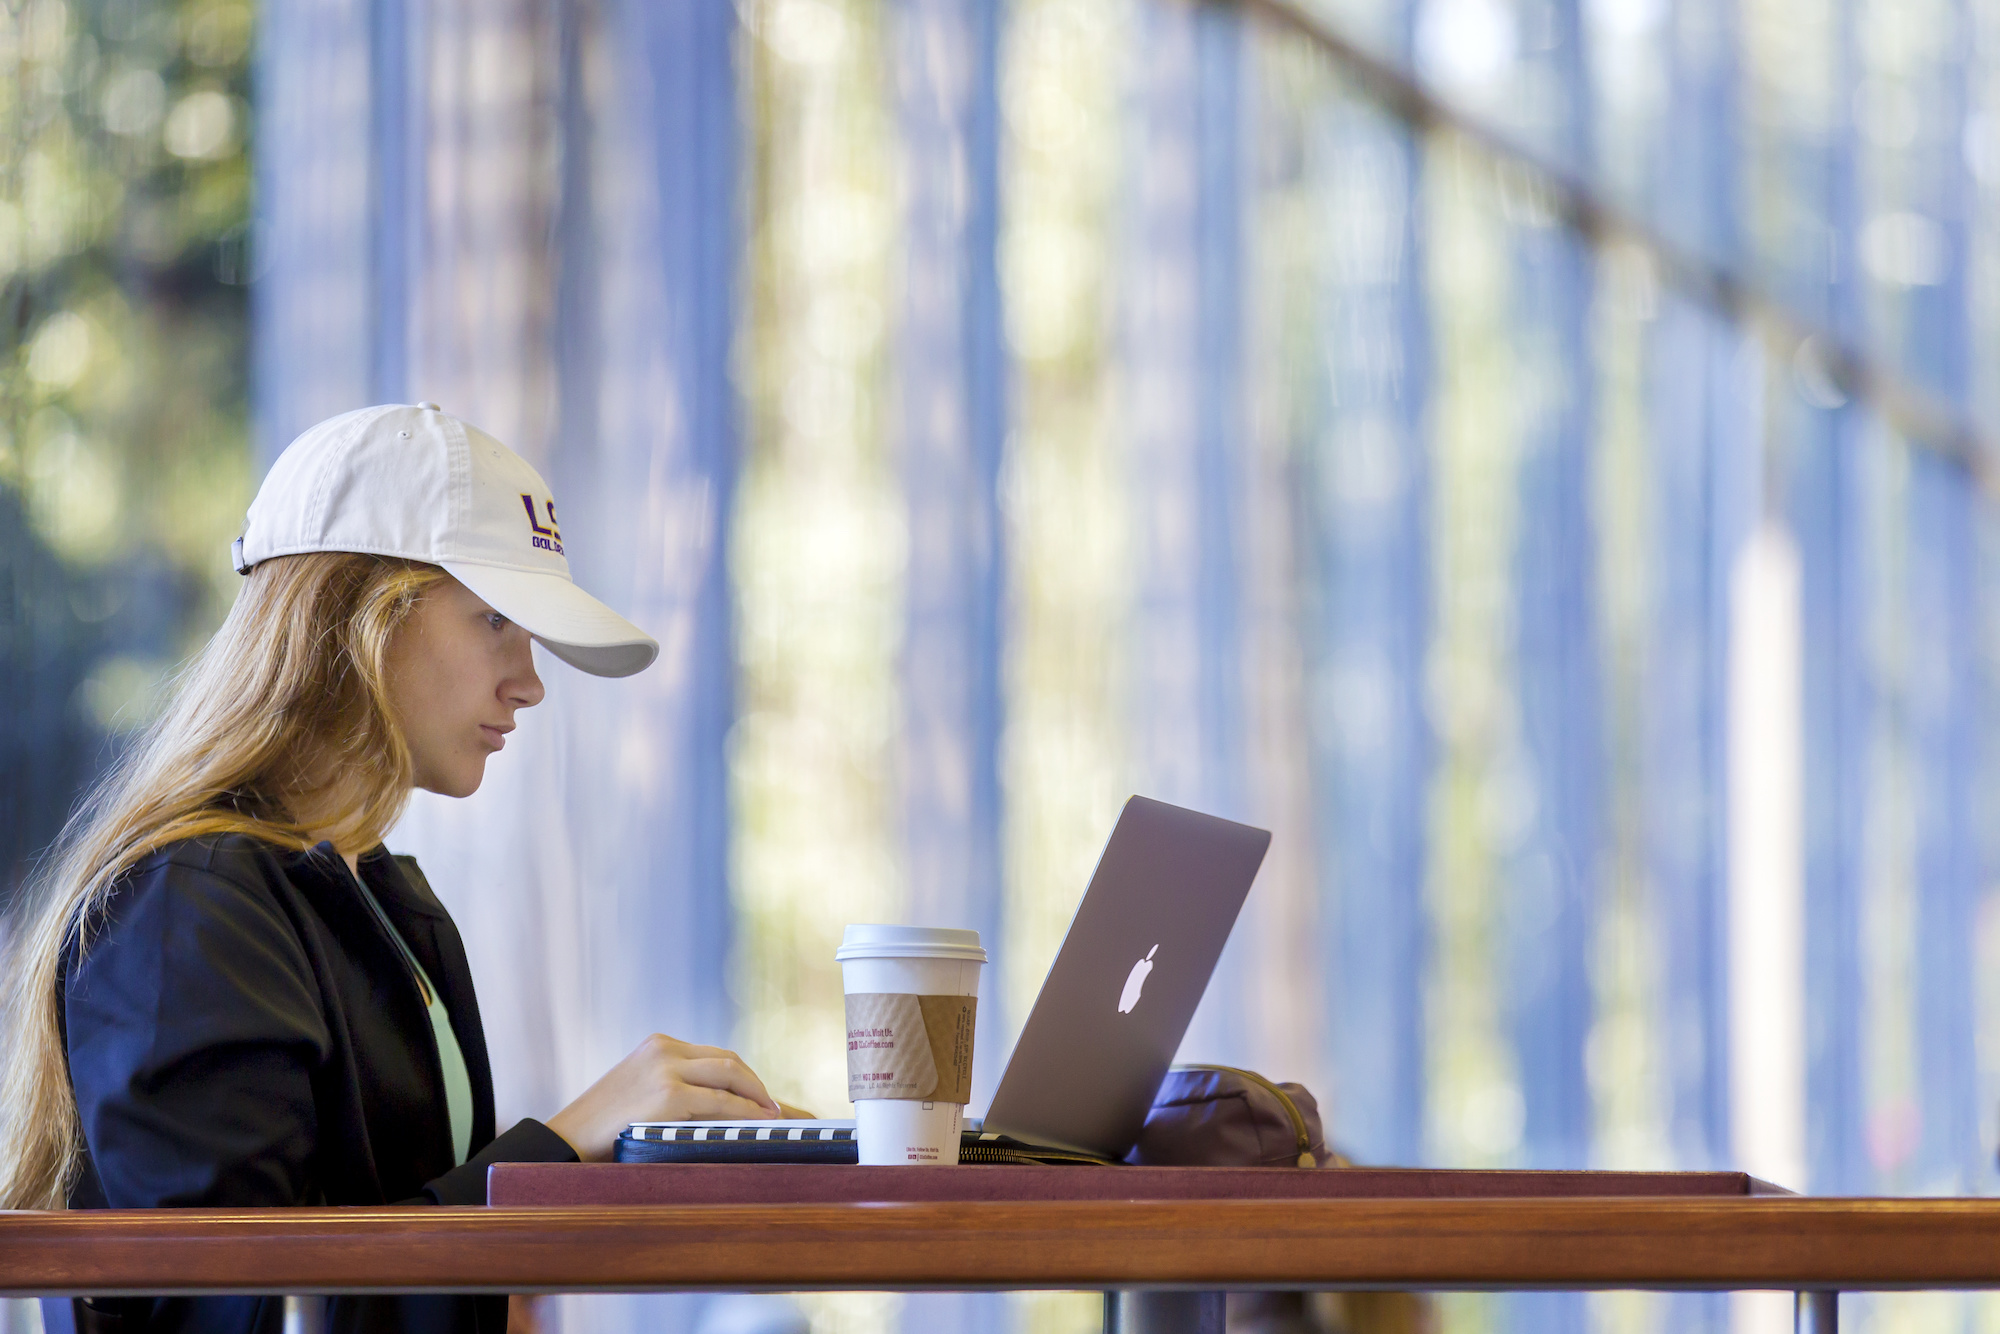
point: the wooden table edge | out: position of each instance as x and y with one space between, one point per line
1460 1244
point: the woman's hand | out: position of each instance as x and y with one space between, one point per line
665 1079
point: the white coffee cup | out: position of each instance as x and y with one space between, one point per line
888 967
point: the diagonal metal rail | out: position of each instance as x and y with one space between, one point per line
1925 418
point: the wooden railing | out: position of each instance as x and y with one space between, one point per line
1583 1243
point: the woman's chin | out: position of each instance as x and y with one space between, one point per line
463 783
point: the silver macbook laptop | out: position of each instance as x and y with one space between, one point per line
1120 995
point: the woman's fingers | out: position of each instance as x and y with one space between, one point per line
728 1073
694 1051
713 1104
718 1068
664 1079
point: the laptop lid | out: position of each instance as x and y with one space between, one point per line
1125 983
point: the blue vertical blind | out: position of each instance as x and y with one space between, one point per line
1184 426
1826 504
1555 870
826 361
1365 458
950 427
1700 396
1940 625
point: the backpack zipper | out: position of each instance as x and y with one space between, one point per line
1297 1118
1039 1157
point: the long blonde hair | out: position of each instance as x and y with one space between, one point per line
281 729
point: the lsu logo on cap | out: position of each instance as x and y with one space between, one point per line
549 538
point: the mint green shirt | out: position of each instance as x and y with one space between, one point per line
457 1079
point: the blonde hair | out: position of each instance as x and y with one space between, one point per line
280 729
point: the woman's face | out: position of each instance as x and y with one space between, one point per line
458 671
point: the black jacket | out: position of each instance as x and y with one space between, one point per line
242 1031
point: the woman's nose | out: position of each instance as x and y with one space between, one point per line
523 688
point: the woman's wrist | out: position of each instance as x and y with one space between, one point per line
564 1126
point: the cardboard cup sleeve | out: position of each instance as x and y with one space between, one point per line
907 1046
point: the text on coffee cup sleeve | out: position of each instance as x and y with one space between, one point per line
901 1045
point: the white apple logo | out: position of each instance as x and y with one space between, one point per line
1136 982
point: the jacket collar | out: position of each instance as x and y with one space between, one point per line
383 873
397 881
415 912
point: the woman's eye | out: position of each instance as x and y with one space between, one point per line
496 620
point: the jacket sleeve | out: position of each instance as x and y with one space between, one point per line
528 1142
194 1027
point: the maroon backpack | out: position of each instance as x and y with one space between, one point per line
1219 1116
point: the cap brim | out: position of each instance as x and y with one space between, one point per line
569 622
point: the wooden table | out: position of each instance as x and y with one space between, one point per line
1685 1242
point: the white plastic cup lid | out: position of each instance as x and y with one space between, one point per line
882 941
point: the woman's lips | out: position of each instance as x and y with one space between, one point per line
494 736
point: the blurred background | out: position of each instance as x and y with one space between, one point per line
1531 455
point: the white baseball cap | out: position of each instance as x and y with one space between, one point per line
419 484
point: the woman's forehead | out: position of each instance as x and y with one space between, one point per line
450 589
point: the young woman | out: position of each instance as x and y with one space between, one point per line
221 990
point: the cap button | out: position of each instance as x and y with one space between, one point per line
429 407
